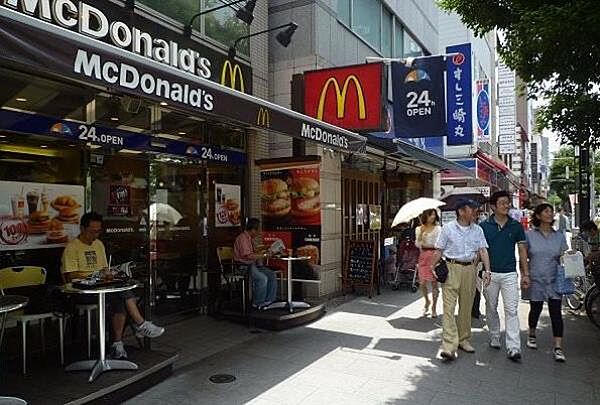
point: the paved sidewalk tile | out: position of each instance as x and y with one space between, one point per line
379 351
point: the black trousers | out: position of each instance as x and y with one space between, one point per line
554 307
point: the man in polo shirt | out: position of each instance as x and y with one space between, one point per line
502 234
461 242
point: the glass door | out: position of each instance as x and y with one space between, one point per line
176 219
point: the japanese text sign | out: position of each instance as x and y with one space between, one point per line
460 118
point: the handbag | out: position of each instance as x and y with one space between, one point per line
563 285
441 271
573 264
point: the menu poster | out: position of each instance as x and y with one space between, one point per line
375 217
228 199
38 215
302 242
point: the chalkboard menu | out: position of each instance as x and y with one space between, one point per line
360 264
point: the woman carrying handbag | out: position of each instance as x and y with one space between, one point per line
545 281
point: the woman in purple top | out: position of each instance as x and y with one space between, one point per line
545 246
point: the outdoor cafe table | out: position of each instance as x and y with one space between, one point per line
9 303
102 364
291 304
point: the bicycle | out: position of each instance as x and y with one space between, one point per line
582 285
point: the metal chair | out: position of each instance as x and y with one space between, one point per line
230 271
29 276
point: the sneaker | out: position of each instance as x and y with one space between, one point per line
117 351
514 355
531 342
495 343
148 329
466 347
559 355
447 356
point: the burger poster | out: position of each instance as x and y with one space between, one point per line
228 199
38 215
291 208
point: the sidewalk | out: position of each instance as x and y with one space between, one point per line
381 351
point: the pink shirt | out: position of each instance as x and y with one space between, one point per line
242 248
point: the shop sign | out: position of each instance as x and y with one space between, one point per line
506 111
483 109
228 200
375 217
419 98
350 97
119 200
74 55
459 111
108 22
38 215
114 138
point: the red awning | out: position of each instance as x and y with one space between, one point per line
496 164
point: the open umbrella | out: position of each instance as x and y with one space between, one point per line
414 208
459 193
161 212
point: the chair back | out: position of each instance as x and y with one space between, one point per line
21 276
225 254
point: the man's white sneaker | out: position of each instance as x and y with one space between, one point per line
117 351
531 342
149 330
514 355
495 343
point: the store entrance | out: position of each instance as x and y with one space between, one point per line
177 213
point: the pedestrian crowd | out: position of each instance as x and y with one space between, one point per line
479 251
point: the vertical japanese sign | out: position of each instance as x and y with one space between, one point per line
507 113
459 94
419 103
483 109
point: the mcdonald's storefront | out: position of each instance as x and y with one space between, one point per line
105 108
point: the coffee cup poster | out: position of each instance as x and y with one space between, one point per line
228 198
38 215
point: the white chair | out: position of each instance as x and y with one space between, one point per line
28 276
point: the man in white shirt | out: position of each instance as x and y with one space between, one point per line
461 242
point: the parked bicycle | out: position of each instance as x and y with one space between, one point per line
576 300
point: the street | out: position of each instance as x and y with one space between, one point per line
379 351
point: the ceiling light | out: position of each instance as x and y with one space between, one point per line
164 103
181 133
21 99
43 146
2 136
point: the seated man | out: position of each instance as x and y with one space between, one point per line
264 283
590 234
85 255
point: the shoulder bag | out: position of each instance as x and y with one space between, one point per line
441 271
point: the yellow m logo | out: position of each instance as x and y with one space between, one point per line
263 118
232 72
341 97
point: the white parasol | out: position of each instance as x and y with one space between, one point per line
414 208
161 212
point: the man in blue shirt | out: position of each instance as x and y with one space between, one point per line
502 234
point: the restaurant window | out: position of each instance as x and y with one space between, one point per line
223 26
411 47
343 11
398 40
366 21
386 33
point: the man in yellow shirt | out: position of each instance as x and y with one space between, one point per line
86 254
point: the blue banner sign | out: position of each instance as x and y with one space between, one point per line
419 102
459 93
483 109
113 138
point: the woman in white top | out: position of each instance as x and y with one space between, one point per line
426 236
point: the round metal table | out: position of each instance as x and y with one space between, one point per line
290 304
102 364
9 303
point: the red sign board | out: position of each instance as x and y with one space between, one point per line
350 97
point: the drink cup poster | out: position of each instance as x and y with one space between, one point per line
228 200
39 215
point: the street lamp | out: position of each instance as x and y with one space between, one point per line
283 37
244 13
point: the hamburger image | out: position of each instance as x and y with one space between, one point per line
56 232
233 211
306 199
310 251
38 223
68 209
275 198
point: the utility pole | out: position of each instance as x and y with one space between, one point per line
584 184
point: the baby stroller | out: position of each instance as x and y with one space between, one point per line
406 271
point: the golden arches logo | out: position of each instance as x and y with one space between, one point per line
341 94
233 72
263 118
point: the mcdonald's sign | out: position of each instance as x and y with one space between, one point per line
263 118
350 97
230 74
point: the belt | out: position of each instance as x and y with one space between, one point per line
452 261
